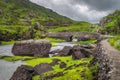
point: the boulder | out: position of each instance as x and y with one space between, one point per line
66 51
23 73
39 48
43 67
86 52
76 52
62 65
79 52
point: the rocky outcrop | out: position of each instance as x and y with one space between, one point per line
39 48
43 67
66 51
79 52
62 65
76 52
109 61
23 73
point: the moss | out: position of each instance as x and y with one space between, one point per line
79 69
54 41
15 58
36 77
79 72
7 42
76 26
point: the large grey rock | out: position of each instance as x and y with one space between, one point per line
39 48
76 52
66 51
79 52
23 73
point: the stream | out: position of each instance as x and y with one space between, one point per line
8 68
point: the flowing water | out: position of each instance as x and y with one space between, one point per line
8 68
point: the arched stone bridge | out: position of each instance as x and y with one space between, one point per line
68 36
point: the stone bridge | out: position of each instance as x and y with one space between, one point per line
69 36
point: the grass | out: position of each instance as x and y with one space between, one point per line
7 42
75 27
115 42
81 72
87 42
15 58
54 41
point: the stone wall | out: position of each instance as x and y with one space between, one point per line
107 58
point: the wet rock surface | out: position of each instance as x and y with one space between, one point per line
38 48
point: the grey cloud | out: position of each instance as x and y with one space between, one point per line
88 10
99 4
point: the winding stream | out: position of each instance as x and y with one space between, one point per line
8 68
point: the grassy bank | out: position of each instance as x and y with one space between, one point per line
81 72
79 69
75 27
52 40
115 42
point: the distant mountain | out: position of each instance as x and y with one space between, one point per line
22 19
24 12
111 23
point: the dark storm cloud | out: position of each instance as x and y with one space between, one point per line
99 4
88 10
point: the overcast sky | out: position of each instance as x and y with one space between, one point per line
81 10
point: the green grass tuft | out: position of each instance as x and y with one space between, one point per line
115 42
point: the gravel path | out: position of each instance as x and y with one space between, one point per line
115 56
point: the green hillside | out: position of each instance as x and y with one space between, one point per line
24 12
22 19
111 23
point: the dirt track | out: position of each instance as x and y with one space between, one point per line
115 57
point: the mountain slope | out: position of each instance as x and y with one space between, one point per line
111 23
22 19
24 12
